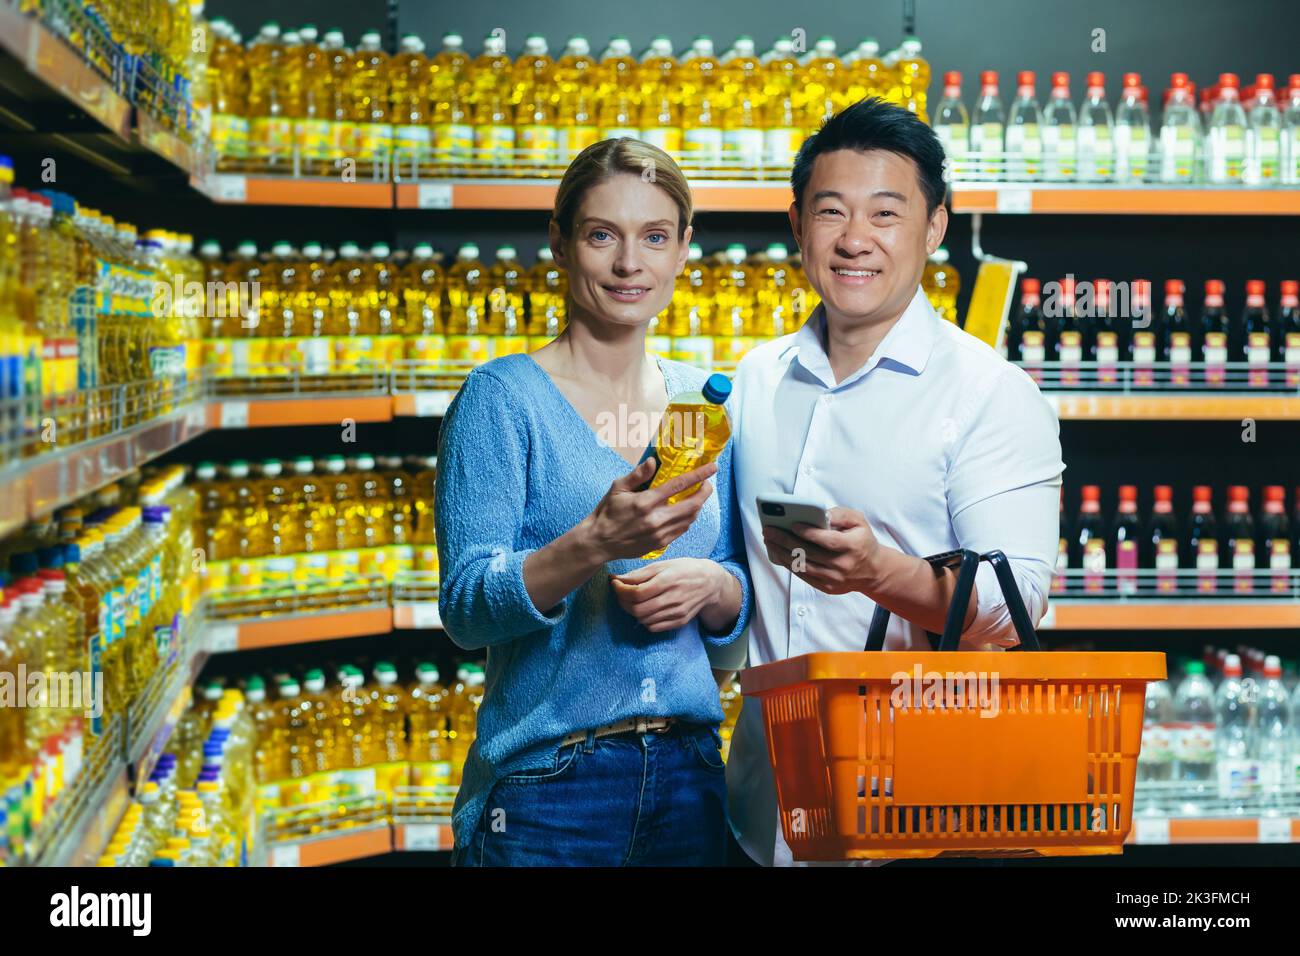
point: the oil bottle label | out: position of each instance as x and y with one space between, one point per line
216 356
538 143
344 139
661 345
414 139
780 146
272 135
1144 347
373 140
452 142
230 135
355 782
1031 347
730 349
574 139
1107 348
1096 152
1279 558
1180 348
314 138
703 143
1071 347
495 144
390 776
1132 145
427 349
694 350
316 354
1291 354
1243 556
1257 348
667 138
1227 153
509 345
743 146
475 349
430 773
1024 150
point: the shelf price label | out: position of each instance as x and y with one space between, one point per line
234 414
431 404
222 638
1274 829
422 836
433 196
286 855
1152 830
425 616
1015 200
226 188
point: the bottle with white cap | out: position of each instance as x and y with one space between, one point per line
546 287
494 121
505 303
408 81
468 344
370 85
1238 770
429 741
1274 739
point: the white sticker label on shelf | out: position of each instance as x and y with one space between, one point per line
1274 829
1015 200
197 416
432 404
226 188
1049 617
433 196
234 414
422 836
1151 829
425 616
222 638
286 855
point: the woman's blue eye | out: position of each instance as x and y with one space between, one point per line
658 235
598 233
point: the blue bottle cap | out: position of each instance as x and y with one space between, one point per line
717 389
71 553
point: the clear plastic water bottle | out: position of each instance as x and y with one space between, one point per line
952 125
1273 737
1060 123
1290 174
1263 135
1096 134
1194 741
1024 136
1238 773
1180 132
1132 132
1227 149
1156 760
986 143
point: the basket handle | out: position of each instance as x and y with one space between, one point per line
967 562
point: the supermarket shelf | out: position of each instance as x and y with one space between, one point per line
975 197
155 137
51 61
1174 614
35 486
332 848
1154 830
1181 407
243 635
430 404
255 190
416 615
271 411
422 836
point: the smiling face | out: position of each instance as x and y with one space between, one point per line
864 234
623 256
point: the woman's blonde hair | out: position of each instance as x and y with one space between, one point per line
599 161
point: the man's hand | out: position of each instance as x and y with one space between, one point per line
835 560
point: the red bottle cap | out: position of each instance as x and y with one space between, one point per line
1030 285
1202 493
1255 287
1096 78
1142 291
952 78
1173 287
989 77
1178 80
1025 77
1132 79
1238 493
1264 81
1067 287
1060 78
1274 493
1214 287
30 586
1164 493
1091 492
1229 81
1293 81
51 574
1290 287
1128 492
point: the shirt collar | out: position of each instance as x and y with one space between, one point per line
905 348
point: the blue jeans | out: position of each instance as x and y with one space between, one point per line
629 800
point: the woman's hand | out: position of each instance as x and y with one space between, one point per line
628 523
666 595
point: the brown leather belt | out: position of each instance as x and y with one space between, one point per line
640 725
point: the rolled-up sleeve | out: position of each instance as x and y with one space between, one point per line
481 493
1003 487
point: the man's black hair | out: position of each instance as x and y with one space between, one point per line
873 123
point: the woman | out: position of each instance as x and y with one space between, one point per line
597 736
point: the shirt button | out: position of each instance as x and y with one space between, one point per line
807 469
827 398
801 610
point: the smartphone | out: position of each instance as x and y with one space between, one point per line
786 511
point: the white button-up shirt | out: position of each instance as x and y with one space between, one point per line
940 442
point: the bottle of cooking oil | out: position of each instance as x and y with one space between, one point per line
424 479
370 104
313 81
574 92
493 115
273 106
399 515
349 318
774 305
419 314
618 92
742 112
547 286
340 490
464 718
336 89
389 706
408 85
702 114
504 303
690 324
941 284
823 83
692 433
429 750
323 735
735 288
355 748
533 69
468 342
227 90
451 110
912 75
294 714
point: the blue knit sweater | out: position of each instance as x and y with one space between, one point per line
517 468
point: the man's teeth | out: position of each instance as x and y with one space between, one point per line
857 272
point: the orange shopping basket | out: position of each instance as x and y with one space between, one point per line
891 754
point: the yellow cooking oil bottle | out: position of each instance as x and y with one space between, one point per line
408 90
228 92
310 302
389 707
507 285
574 91
451 111
270 743
340 490
354 740
774 298
547 287
941 284
493 116
536 133
312 80
351 326
660 120
692 311
370 107
735 287
248 344
217 319
272 108
463 716
468 342
335 90
424 477
285 329
618 92
702 114
742 112
420 309
693 431
822 83
380 284
911 79
319 707
295 714
429 744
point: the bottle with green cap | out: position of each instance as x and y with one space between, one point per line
692 433
356 749
322 735
464 717
429 740
389 705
